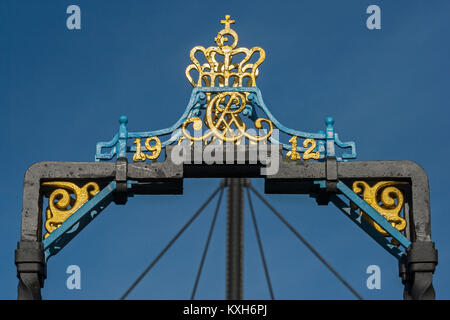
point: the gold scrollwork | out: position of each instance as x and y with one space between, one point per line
155 149
61 205
181 139
223 121
389 202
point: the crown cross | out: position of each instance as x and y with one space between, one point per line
221 67
227 21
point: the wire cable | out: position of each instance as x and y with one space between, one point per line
188 223
261 250
303 240
205 250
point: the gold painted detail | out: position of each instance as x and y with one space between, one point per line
311 145
223 122
294 155
61 204
155 149
219 68
385 199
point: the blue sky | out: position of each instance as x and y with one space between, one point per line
61 91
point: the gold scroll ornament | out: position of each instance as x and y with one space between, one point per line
389 202
60 200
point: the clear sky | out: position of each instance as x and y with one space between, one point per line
63 90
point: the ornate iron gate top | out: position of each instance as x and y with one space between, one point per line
226 95
389 200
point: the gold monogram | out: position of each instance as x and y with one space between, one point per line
223 121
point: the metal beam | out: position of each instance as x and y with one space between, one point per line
416 269
235 239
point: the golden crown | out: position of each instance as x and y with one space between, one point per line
225 73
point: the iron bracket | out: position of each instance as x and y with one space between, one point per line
331 170
322 197
121 192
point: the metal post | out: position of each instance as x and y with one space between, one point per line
31 269
235 238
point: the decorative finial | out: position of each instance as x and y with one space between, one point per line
227 21
123 119
329 121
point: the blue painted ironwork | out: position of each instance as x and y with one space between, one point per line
366 227
371 212
362 223
79 219
326 141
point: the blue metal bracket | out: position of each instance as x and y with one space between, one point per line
371 212
366 227
79 219
327 140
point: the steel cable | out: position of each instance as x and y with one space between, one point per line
261 250
205 250
303 240
171 242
